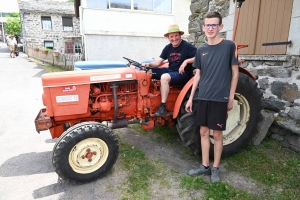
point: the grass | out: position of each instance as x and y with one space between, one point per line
51 68
140 172
214 191
271 164
163 133
168 134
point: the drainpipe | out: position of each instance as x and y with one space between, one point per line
2 27
23 31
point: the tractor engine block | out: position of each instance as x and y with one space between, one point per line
102 97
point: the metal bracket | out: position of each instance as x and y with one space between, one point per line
277 43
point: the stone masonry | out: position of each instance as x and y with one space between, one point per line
278 78
31 12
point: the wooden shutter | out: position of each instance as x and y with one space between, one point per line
264 21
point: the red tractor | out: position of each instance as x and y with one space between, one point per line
79 102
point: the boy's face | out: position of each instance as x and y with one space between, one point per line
175 39
211 27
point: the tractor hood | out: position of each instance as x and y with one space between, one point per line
88 76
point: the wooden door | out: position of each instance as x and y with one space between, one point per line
69 47
264 21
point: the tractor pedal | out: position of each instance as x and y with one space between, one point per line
167 114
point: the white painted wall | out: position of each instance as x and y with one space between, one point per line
294 33
114 33
108 47
229 21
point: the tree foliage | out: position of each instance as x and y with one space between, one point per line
13 26
15 14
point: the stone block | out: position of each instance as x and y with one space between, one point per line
257 63
274 71
263 127
286 144
294 141
273 105
297 102
277 137
294 112
289 125
263 83
285 91
274 129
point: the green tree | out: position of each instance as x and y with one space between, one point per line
15 14
13 26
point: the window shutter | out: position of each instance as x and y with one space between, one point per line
67 21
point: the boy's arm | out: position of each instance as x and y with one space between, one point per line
189 104
234 81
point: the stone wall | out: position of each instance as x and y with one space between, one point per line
32 32
278 77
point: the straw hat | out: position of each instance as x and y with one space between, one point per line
173 29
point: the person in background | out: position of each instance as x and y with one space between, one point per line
17 38
217 75
11 42
6 39
180 55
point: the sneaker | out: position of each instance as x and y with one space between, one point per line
199 171
162 111
214 175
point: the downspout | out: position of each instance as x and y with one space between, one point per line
23 31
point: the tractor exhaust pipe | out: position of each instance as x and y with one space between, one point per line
121 123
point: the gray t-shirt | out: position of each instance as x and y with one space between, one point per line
215 63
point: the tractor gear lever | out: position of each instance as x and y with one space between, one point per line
240 3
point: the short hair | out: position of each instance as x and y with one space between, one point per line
214 14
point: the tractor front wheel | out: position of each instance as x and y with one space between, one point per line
85 152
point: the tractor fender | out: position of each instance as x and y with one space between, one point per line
189 84
181 96
246 72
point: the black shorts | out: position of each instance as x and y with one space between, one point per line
212 114
176 78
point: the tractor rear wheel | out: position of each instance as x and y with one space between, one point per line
241 123
85 152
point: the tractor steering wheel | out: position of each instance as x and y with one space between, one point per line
134 63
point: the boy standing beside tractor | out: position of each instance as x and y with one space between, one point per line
217 65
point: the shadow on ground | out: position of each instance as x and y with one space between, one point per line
27 164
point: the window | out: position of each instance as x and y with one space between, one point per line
163 6
69 47
48 44
46 23
97 4
124 4
157 6
143 5
78 48
67 23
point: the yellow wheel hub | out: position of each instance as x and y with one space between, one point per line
88 155
237 120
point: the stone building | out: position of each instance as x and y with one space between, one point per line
51 24
271 31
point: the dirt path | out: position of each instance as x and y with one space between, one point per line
175 156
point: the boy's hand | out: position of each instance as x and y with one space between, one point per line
188 106
230 105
